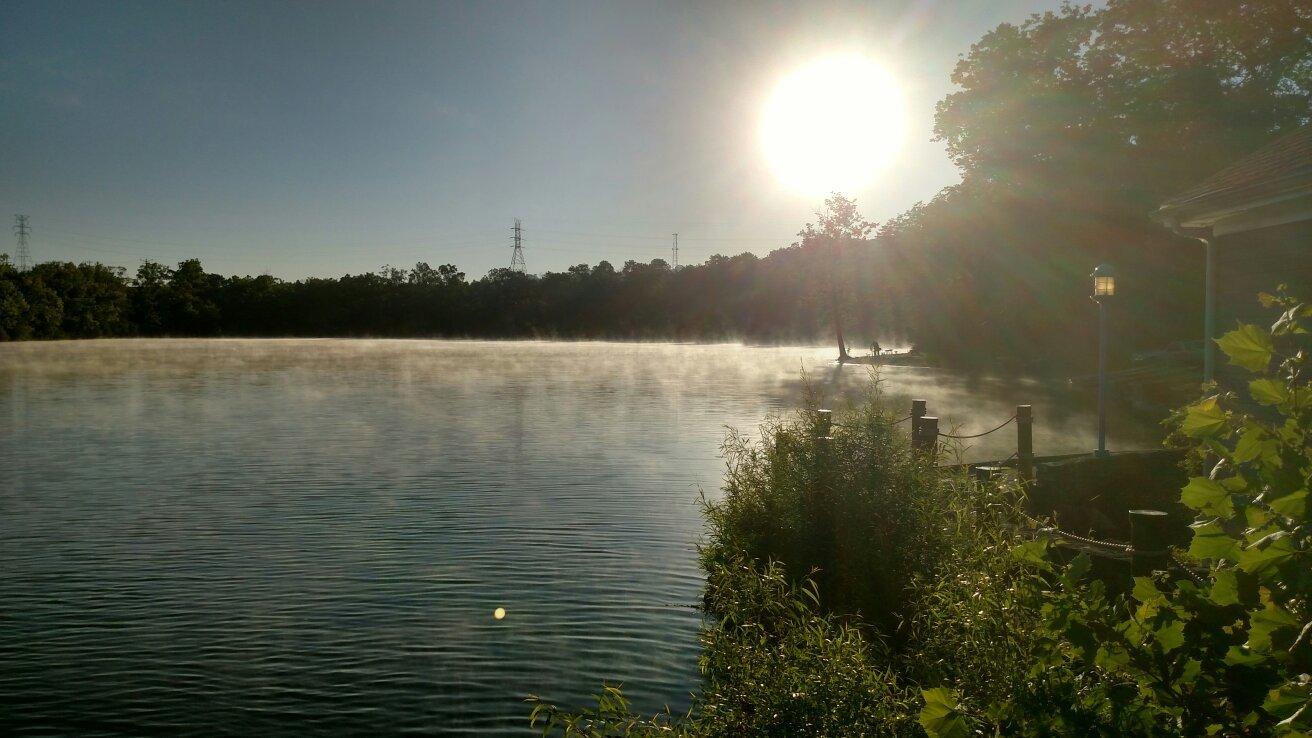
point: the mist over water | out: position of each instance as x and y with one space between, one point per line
310 536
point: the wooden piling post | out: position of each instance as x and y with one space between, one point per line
824 425
1025 443
925 438
917 412
824 421
821 500
1148 542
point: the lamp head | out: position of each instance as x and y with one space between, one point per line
1104 281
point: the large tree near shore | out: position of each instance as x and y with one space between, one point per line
837 229
1130 102
1069 129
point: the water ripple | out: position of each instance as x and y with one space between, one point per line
309 537
300 537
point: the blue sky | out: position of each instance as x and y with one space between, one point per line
323 138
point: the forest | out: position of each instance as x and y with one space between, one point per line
1068 129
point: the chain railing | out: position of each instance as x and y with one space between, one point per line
1118 551
1193 575
1054 530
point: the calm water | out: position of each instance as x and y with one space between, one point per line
304 536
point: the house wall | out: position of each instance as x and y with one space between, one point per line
1256 261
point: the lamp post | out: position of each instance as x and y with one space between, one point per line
1104 288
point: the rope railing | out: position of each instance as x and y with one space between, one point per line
979 435
1148 551
905 418
849 426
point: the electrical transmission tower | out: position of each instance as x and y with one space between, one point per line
674 251
22 229
517 256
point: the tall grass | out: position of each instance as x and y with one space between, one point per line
843 511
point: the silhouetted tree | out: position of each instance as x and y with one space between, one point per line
838 229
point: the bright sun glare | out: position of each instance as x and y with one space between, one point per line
832 125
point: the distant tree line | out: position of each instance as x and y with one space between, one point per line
1068 128
767 299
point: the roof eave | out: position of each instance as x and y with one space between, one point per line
1182 216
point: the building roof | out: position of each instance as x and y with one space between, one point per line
1281 169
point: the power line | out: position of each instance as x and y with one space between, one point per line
22 229
579 243
517 256
716 239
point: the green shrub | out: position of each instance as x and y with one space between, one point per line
1228 655
846 511
774 664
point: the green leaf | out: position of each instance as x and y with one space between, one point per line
1111 657
1285 700
1234 484
1082 637
1268 391
1248 346
1033 552
941 716
1237 656
1192 668
1146 591
1207 496
1256 517
1285 728
1077 569
1170 636
1289 322
1204 419
1262 561
1265 623
1225 587
1291 432
1144 613
1292 505
1212 542
1256 443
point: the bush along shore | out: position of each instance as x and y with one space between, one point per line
854 587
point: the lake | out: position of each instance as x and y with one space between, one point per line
233 537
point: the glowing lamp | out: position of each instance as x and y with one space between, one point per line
1104 281
1104 287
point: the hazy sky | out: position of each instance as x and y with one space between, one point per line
320 138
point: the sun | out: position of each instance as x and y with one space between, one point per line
833 125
